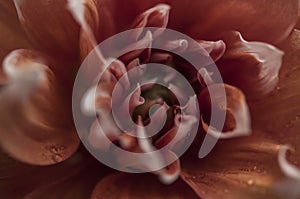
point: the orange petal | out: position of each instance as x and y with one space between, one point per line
251 66
238 168
123 186
35 120
49 25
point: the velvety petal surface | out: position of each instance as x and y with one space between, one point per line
35 115
18 179
96 23
236 168
12 35
268 20
250 66
135 186
279 113
79 185
49 25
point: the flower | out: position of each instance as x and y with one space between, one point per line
36 124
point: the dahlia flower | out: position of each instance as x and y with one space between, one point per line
253 44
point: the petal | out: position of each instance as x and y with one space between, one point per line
95 21
278 114
237 117
79 185
49 26
125 12
236 168
289 187
36 123
18 179
11 36
269 21
251 66
122 185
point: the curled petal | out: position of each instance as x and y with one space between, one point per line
122 185
95 21
289 187
137 48
49 25
288 169
31 104
204 77
178 46
97 99
251 66
86 15
163 58
237 119
181 129
215 49
157 16
103 128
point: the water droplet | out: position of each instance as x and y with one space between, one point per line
57 158
254 168
62 148
250 182
226 190
278 88
53 149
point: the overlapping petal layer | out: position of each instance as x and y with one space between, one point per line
269 21
50 26
36 123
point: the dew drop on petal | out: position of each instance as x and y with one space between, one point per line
250 182
57 158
